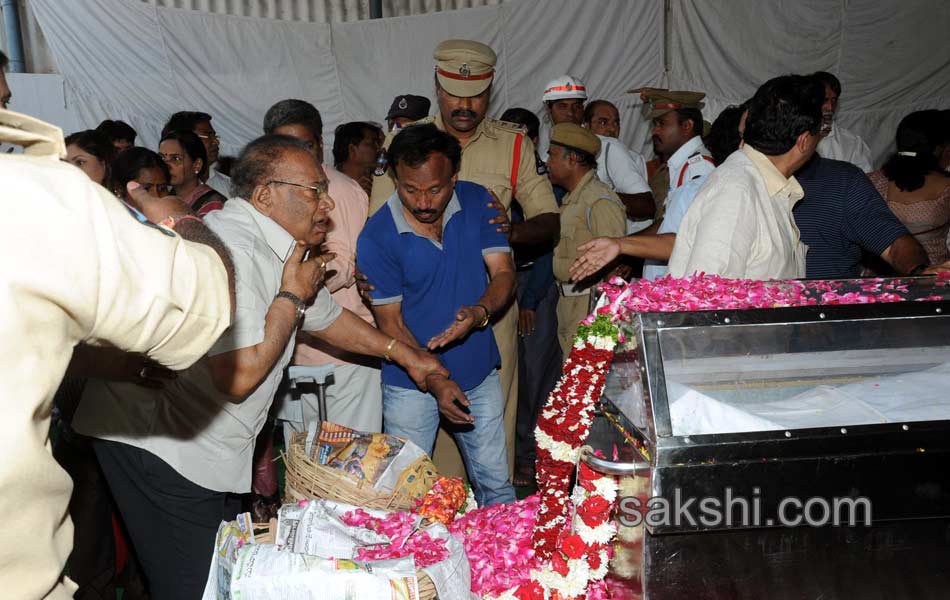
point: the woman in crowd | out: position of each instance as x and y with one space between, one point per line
187 162
915 187
144 167
92 152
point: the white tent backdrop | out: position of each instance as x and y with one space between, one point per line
124 59
892 57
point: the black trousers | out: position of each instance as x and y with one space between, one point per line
539 368
172 521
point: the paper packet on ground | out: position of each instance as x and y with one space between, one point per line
315 528
262 572
231 536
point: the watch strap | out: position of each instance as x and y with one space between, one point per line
298 303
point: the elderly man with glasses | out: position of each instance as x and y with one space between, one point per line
178 457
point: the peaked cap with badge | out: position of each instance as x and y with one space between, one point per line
660 102
464 68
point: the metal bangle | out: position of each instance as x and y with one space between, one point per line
389 349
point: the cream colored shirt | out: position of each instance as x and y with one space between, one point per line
350 209
76 266
740 225
204 434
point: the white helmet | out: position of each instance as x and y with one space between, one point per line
564 87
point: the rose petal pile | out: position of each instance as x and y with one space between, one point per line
497 541
405 539
444 500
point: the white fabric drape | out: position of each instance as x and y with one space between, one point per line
124 59
892 57
128 60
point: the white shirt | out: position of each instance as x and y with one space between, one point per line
76 266
690 161
740 225
219 182
202 433
677 204
841 144
625 172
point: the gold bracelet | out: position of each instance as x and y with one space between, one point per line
389 349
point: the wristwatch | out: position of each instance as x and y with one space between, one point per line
298 303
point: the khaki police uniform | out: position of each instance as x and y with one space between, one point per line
500 157
590 210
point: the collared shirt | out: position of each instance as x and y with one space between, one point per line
740 224
204 434
625 172
840 216
487 159
77 266
678 204
841 144
351 205
433 280
218 181
690 161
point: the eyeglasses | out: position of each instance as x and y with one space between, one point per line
208 136
321 189
172 158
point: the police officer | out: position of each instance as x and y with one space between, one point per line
677 134
563 99
590 209
406 109
501 157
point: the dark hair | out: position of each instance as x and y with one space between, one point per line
294 112
117 130
523 116
255 164
225 164
592 106
129 163
4 61
351 133
828 79
192 145
724 138
412 147
943 126
918 137
96 144
185 121
782 109
691 114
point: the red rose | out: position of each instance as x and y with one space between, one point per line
530 591
593 560
573 546
559 564
594 511
585 473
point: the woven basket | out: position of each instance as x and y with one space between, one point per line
308 480
264 533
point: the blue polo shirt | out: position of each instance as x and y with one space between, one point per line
432 280
841 216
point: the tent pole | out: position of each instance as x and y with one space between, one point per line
11 24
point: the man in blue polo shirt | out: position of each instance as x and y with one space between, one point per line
842 216
440 271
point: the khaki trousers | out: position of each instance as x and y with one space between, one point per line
571 310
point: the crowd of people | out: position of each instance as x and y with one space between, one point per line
441 267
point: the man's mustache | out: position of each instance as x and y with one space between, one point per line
464 113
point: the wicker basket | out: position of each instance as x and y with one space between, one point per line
264 533
308 480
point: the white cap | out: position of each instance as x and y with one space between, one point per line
564 87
